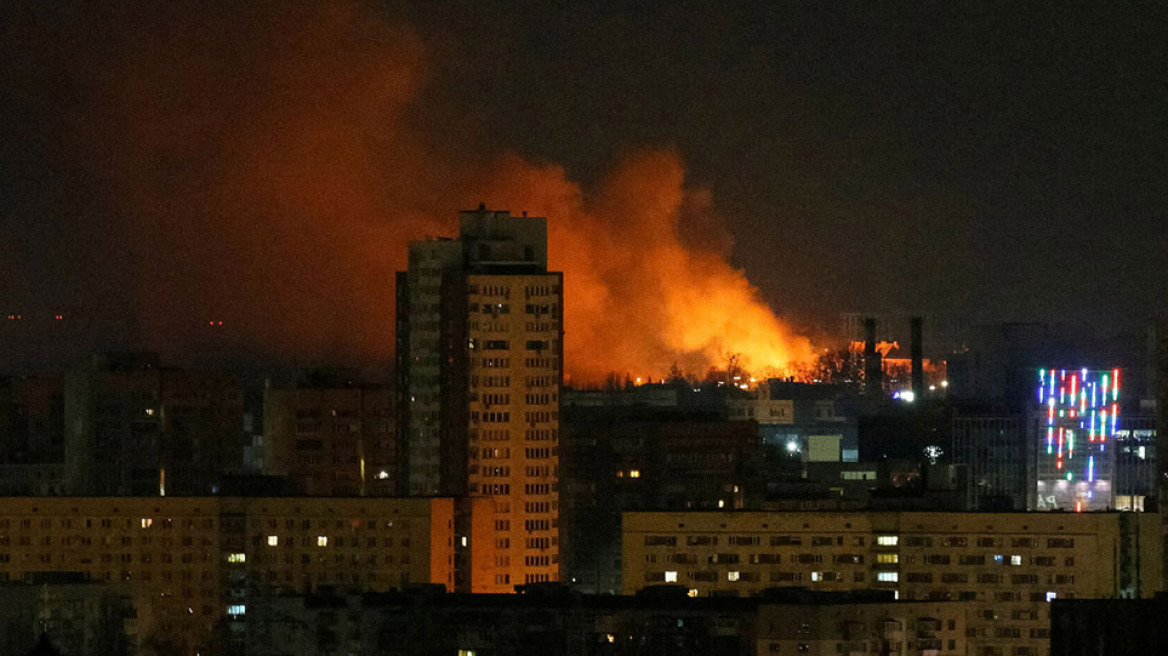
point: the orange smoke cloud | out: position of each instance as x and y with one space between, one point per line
639 297
261 169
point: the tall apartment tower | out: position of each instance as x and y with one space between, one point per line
479 370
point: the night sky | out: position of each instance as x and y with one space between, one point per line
1007 163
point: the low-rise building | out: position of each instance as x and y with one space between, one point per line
1008 565
193 562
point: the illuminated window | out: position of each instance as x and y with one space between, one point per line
671 577
888 558
693 592
147 522
634 473
816 576
1051 596
237 558
273 540
321 541
1015 560
887 540
732 576
383 474
888 577
236 610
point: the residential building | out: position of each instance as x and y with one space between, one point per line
193 562
332 441
479 371
1008 565
658 621
134 427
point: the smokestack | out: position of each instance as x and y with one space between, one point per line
872 368
917 354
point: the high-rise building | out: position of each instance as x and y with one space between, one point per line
479 370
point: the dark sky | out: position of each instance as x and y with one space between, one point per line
1006 162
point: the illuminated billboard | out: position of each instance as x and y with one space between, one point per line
1078 412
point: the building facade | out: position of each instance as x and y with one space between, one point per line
992 451
193 562
1007 565
479 367
134 427
332 441
1073 439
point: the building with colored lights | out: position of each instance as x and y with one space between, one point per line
192 563
1006 565
479 370
1073 434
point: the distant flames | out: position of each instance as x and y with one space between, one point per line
639 298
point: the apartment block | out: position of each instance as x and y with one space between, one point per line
135 427
332 441
479 367
1007 565
193 562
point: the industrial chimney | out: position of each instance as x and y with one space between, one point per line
917 354
872 366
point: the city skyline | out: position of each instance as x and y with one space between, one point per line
845 162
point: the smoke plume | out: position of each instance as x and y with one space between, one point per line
257 166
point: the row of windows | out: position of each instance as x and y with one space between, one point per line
500 417
882 540
67 523
540 290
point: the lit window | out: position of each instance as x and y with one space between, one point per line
1051 596
732 576
634 473
1015 560
887 540
815 576
147 522
321 541
888 577
693 592
273 540
464 541
236 610
671 577
237 558
888 558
